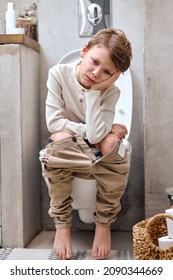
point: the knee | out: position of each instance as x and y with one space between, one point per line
107 144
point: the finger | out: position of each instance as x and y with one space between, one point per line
115 76
122 127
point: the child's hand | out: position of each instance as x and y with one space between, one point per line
120 130
106 83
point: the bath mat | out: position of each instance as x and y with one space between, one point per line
47 254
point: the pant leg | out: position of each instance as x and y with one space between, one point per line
60 188
111 174
61 161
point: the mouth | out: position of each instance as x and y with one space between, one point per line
89 79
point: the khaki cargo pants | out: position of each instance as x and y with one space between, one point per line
72 157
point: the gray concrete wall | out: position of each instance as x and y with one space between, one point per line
158 100
19 138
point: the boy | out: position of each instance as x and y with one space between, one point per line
80 109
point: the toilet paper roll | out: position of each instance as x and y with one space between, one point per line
169 222
165 242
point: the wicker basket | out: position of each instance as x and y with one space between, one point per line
145 239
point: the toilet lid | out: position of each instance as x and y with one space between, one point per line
124 83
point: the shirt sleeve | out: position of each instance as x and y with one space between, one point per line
100 113
54 109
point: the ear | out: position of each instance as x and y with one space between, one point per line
83 51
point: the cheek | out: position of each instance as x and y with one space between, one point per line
86 63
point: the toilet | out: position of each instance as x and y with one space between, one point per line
83 190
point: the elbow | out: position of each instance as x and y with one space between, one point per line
94 139
50 127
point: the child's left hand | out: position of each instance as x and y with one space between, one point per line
106 83
120 130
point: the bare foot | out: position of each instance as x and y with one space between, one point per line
102 242
62 244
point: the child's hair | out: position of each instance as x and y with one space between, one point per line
117 43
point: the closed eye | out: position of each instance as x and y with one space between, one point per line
107 72
95 62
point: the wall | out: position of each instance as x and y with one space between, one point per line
19 139
158 100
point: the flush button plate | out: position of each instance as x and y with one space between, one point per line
93 16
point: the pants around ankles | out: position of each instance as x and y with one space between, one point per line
72 157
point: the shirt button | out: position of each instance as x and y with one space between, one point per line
73 139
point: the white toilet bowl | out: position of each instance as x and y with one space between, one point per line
84 191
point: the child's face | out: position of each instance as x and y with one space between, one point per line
96 66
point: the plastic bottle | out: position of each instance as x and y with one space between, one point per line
10 17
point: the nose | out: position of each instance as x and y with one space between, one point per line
96 72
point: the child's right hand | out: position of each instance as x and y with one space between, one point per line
106 83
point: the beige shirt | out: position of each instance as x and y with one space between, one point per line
74 109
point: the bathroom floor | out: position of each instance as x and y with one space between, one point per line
82 240
41 247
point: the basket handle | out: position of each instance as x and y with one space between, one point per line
156 217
